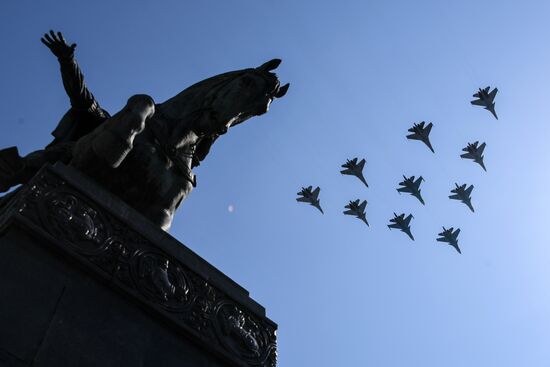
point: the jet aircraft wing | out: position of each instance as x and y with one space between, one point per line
481 148
315 193
303 199
408 220
428 128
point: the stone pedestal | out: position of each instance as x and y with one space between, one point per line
87 281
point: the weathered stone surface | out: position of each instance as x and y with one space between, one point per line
86 280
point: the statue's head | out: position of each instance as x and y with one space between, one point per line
225 100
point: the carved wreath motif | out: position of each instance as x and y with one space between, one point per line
161 279
242 334
77 223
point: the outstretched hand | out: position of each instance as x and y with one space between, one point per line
57 45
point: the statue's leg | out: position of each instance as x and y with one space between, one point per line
162 213
10 164
111 142
15 170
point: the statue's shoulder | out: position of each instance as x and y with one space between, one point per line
77 123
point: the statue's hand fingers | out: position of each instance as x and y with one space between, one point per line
48 44
54 37
61 38
48 38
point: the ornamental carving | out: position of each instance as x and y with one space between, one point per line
242 333
74 221
137 266
161 279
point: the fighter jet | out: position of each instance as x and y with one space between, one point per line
450 237
486 99
419 132
402 223
411 186
354 169
463 194
474 152
311 197
354 208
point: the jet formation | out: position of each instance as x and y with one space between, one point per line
450 237
475 152
486 99
411 186
419 132
463 194
402 223
354 208
353 168
308 195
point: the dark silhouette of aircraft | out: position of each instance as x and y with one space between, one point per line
463 194
402 223
411 186
419 132
354 208
475 152
311 197
486 99
450 237
355 169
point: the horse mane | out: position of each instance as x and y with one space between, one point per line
185 102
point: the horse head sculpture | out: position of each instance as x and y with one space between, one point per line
226 99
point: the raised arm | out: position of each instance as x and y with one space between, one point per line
73 80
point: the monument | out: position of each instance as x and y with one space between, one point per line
88 274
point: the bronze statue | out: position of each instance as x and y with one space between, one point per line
145 153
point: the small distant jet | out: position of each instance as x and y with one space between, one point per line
355 169
402 223
311 197
463 194
419 132
486 99
450 237
411 186
475 152
354 208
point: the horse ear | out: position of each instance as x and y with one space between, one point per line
270 65
282 91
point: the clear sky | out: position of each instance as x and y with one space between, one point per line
361 73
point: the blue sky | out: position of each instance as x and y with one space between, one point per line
361 73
